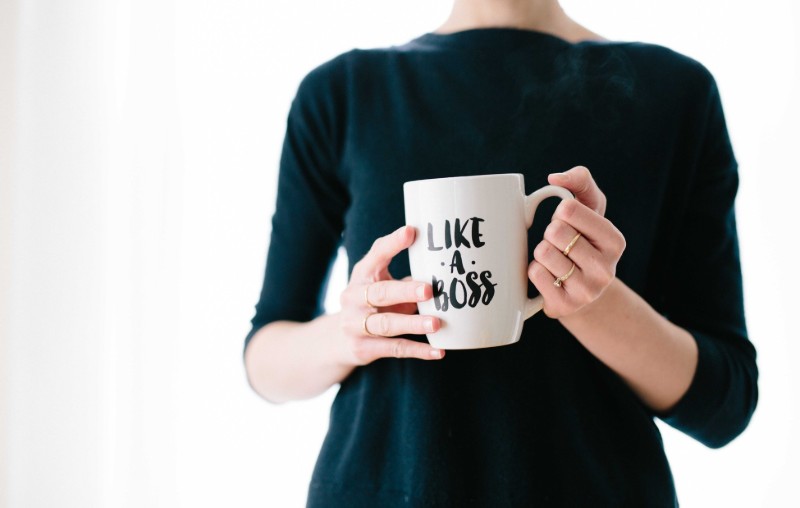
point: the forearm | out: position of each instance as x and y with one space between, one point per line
656 358
287 360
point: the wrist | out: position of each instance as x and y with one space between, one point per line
338 344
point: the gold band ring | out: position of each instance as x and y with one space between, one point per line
366 297
364 325
560 280
571 244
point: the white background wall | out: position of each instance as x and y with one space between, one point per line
138 146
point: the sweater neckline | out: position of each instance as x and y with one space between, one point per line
492 37
498 37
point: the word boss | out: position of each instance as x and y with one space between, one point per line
464 288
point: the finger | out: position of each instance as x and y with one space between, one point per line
558 265
377 259
581 183
561 235
391 292
402 308
583 253
555 299
372 349
389 324
597 229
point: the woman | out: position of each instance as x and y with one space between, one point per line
565 416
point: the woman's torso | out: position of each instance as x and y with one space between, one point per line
540 422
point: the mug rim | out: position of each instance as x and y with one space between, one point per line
464 177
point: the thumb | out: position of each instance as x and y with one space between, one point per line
579 181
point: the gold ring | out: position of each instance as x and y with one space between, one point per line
366 297
558 281
364 326
571 244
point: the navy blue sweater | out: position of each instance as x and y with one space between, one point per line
541 422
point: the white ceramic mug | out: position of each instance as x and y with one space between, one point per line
472 246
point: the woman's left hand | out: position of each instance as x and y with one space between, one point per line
595 253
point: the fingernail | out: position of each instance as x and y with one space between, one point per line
563 175
428 324
421 291
436 353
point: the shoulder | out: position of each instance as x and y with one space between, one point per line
661 67
654 77
322 81
332 79
358 61
669 60
340 66
350 76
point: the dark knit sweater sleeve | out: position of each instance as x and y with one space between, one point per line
311 200
705 294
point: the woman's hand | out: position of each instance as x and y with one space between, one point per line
595 253
376 306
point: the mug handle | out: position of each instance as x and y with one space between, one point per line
532 201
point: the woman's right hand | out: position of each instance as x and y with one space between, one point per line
375 307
